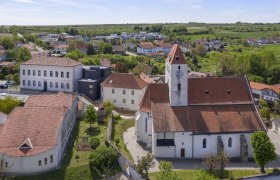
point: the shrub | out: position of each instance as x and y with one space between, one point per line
94 142
117 141
117 117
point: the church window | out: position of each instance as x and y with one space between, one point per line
40 163
146 124
204 143
179 86
46 161
230 142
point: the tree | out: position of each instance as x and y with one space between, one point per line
105 48
144 164
224 160
75 55
91 50
121 68
8 43
19 54
90 115
8 104
94 142
108 106
211 161
277 105
265 110
201 51
142 68
166 172
264 150
104 161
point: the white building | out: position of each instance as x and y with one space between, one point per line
192 117
50 74
125 91
146 48
33 138
264 91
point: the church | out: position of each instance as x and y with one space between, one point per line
193 117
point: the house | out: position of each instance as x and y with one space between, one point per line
266 92
19 44
146 48
50 74
129 46
194 74
163 46
192 117
276 126
92 77
251 41
186 48
3 55
125 91
118 49
34 137
146 78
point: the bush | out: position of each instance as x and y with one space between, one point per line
117 117
202 174
94 142
117 141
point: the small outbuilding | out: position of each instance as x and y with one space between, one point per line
276 125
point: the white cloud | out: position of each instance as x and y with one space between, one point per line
25 1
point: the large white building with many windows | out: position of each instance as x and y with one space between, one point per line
125 91
193 117
33 138
50 74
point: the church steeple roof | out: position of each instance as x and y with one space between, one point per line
176 56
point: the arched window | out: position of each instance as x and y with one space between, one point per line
179 86
229 142
204 143
51 159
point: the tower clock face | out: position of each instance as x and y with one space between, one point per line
179 74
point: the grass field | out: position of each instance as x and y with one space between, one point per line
189 174
5 35
244 35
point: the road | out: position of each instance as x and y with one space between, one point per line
130 53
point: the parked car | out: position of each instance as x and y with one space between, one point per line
3 86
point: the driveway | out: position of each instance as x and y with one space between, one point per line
137 151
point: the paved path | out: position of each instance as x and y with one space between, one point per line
137 151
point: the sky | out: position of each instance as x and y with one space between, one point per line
68 12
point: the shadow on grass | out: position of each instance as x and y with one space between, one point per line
93 131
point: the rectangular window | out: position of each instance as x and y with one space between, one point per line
90 92
276 127
123 100
39 162
132 92
56 74
62 74
90 86
28 73
51 74
51 84
56 85
113 91
115 101
62 85
34 73
23 82
68 75
6 164
23 72
39 73
46 161
39 83
146 124
51 159
132 101
34 83
28 82
67 86
123 91
45 73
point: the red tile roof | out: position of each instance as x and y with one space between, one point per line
147 45
176 56
146 78
52 61
39 121
261 86
124 80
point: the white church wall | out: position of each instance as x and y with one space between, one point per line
183 140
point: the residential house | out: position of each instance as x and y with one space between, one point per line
125 91
50 74
118 49
163 46
146 48
34 137
266 92
193 117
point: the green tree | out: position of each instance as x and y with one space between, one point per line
201 51
104 161
142 68
211 160
75 55
90 115
108 106
7 42
121 68
94 142
277 105
224 160
273 74
105 48
8 104
166 172
264 150
144 164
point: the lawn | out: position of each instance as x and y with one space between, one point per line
119 127
189 174
72 168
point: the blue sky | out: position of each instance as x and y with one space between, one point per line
47 12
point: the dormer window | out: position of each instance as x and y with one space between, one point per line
26 144
228 91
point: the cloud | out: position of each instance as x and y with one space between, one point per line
25 1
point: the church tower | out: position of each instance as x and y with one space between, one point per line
176 76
